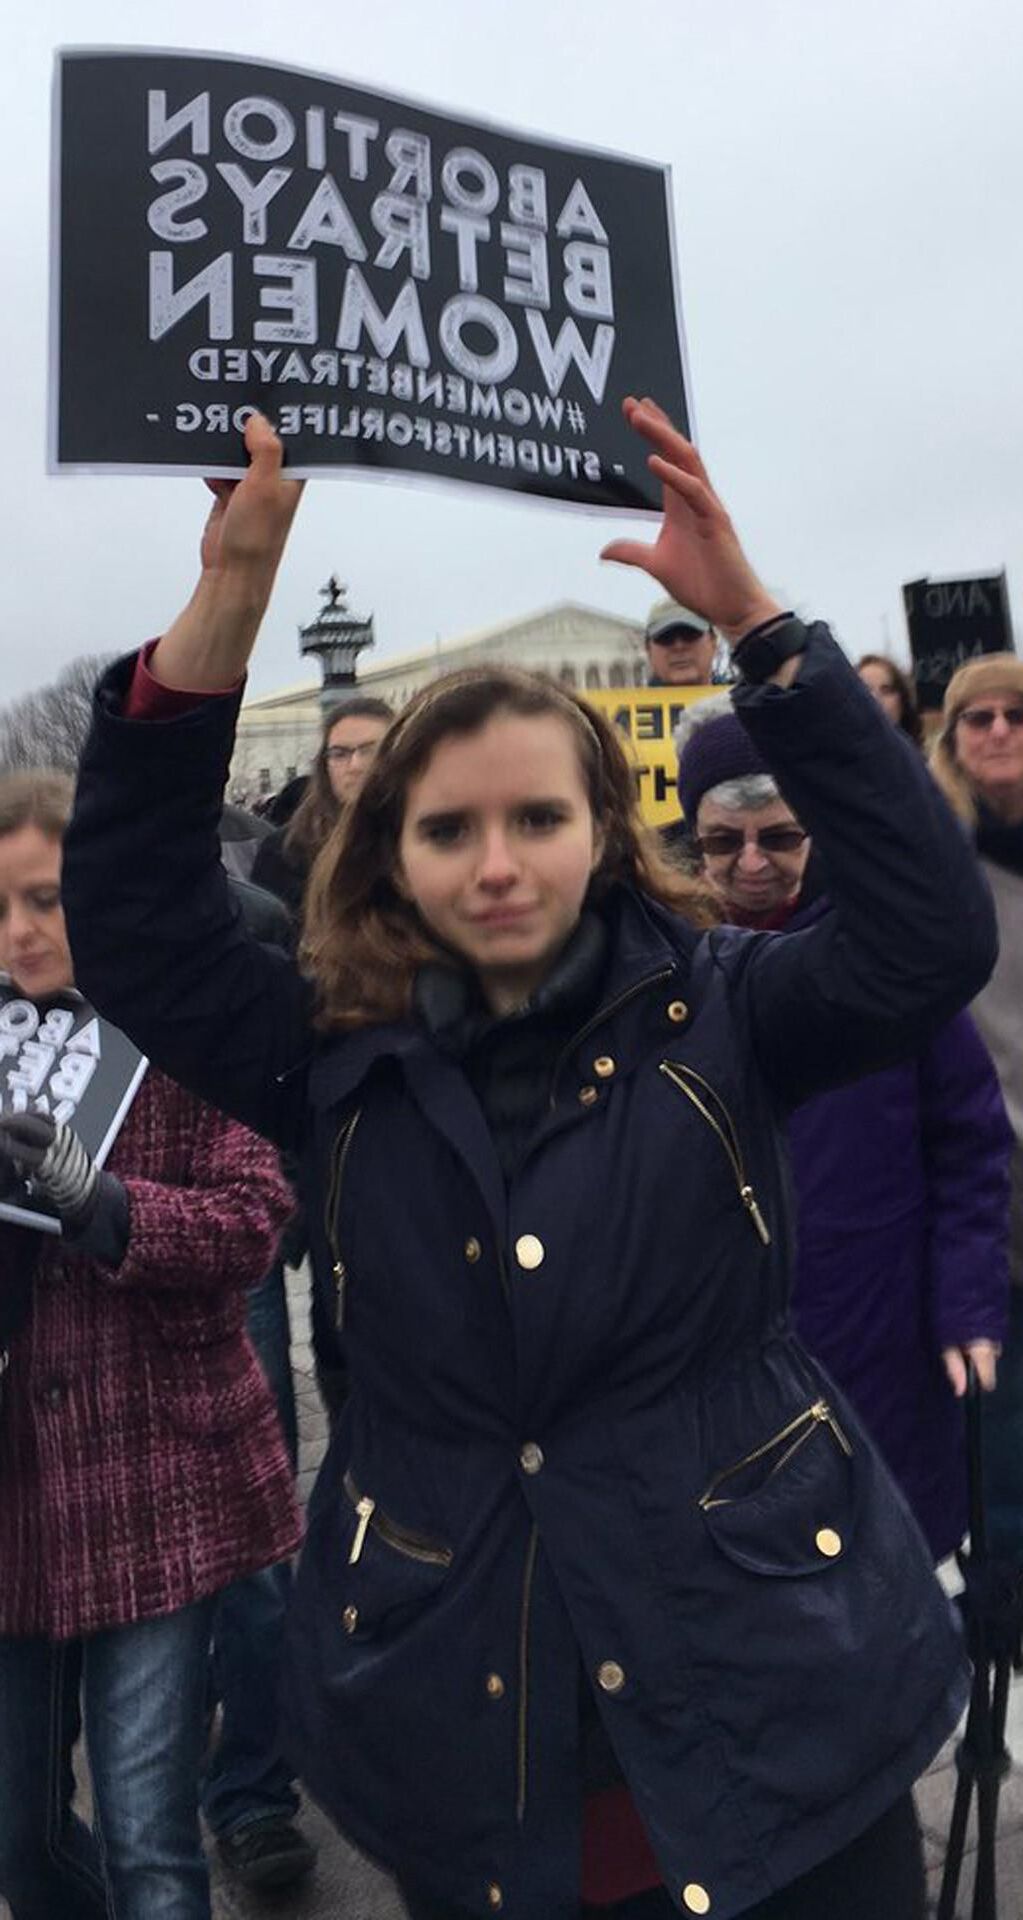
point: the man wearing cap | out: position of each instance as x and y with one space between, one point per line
680 647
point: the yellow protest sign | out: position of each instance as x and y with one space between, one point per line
648 716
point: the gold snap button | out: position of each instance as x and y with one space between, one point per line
603 1066
695 1898
350 1619
677 1011
472 1249
531 1457
495 1686
828 1542
529 1251
495 1898
610 1676
587 1096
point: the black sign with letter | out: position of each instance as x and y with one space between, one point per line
950 622
61 1059
399 291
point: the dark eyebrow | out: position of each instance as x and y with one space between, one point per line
442 818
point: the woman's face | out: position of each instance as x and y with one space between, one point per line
884 689
753 857
497 847
988 746
33 939
349 750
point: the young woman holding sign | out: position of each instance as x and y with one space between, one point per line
606 1598
142 1468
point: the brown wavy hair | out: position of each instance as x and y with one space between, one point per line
363 942
905 686
318 811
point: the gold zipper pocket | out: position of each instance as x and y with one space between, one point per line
711 1107
790 1439
414 1546
332 1213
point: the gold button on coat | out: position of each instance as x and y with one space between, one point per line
610 1676
529 1251
495 1898
828 1542
350 1619
695 1898
587 1096
495 1686
472 1249
603 1066
677 1011
531 1457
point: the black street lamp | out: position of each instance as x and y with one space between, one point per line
336 638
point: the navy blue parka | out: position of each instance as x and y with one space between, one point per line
580 1427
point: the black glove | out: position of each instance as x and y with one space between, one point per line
92 1206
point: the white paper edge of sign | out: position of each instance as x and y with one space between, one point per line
55 466
118 1119
391 477
24 1217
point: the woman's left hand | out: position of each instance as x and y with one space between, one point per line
697 556
983 1353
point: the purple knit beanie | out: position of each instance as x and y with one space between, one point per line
716 750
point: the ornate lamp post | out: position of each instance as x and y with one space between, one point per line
336 638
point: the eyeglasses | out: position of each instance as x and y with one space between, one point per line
982 719
726 843
342 755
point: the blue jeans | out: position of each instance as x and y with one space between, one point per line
247 1777
1003 1443
143 1692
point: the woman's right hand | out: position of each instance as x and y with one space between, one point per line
250 518
209 644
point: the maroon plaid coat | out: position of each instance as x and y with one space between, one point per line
141 1459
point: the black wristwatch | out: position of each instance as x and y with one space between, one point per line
761 651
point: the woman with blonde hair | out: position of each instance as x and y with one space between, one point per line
978 764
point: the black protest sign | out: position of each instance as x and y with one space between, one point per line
950 622
61 1059
399 290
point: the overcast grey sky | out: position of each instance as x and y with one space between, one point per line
848 187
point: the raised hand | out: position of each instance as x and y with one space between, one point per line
250 518
209 644
696 557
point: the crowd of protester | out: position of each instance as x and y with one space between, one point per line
659 1195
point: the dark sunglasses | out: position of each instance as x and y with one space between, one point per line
726 843
982 719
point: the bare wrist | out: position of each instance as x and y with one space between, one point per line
759 611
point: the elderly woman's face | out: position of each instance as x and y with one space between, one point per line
753 857
988 745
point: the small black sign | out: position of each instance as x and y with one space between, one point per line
950 622
62 1059
399 290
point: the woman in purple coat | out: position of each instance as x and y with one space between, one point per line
901 1179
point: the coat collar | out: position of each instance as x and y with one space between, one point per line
647 946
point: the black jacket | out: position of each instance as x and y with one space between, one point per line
580 1427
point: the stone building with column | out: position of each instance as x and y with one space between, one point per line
583 648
